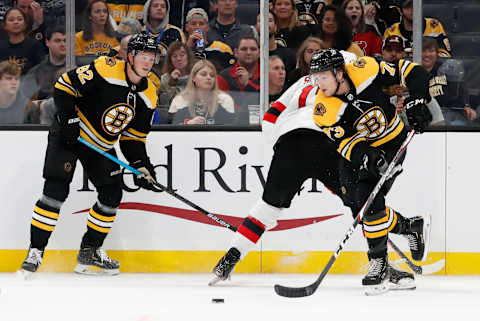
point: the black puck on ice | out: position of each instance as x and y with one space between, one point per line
218 300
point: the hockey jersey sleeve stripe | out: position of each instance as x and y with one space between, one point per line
136 133
126 137
63 83
91 141
274 111
347 145
405 69
88 127
302 101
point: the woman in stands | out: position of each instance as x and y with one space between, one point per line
290 33
276 78
16 46
175 71
304 55
202 103
98 36
364 35
335 30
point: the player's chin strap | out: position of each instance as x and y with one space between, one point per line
133 67
338 81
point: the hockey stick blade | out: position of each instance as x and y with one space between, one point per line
433 268
296 292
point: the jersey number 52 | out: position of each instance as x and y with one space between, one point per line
84 74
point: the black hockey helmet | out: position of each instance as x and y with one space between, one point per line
143 42
326 59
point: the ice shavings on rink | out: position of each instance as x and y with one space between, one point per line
155 297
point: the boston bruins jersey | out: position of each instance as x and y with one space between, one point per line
109 106
364 115
431 28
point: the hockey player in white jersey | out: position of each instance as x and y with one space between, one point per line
302 150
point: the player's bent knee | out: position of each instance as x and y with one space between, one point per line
110 195
267 214
56 189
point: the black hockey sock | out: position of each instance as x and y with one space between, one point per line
100 221
377 247
403 225
44 220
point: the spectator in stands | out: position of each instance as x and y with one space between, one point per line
217 52
304 55
98 37
242 80
202 103
40 81
431 28
174 79
309 11
276 78
393 48
446 84
180 8
225 27
128 26
15 108
35 18
363 35
289 31
155 19
121 9
381 14
17 47
335 31
122 49
286 54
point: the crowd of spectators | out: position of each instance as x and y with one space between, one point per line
209 66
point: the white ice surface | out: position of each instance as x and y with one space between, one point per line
248 297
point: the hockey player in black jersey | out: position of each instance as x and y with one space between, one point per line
106 101
303 149
352 111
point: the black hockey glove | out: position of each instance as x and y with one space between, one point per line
69 129
419 117
374 162
148 176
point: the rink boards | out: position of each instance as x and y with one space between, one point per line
223 173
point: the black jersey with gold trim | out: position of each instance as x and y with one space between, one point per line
108 104
365 114
431 28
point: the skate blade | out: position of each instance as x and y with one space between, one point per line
403 284
93 270
371 290
427 225
216 279
24 274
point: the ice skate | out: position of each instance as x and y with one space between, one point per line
225 266
400 280
32 263
377 278
418 236
95 261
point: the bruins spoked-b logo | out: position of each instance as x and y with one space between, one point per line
372 124
117 117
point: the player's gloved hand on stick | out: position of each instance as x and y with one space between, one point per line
369 160
418 114
69 128
374 161
148 176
